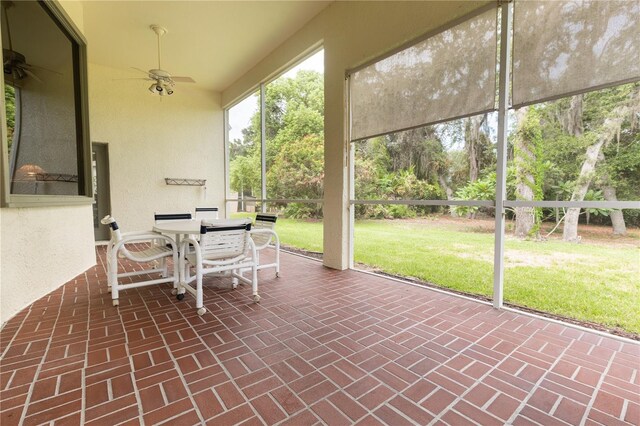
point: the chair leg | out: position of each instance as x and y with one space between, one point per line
234 280
199 302
165 267
277 259
254 283
176 273
114 287
112 279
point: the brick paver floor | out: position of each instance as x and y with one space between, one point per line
323 347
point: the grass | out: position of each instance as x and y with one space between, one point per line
596 281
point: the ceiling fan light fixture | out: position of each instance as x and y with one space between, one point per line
19 73
163 82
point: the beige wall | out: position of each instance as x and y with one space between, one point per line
151 138
42 248
352 33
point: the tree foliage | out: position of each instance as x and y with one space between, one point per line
452 160
294 122
10 109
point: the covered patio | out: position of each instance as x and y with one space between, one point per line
323 347
327 343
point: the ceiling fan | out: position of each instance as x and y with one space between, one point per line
14 64
163 81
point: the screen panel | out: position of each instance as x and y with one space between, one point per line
426 83
563 47
243 133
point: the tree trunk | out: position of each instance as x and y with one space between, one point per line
573 120
448 191
570 231
617 219
472 139
609 193
609 130
524 157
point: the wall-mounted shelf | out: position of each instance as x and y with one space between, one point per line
186 182
56 177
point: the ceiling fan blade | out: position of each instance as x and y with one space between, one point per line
32 75
37 67
133 78
183 79
141 70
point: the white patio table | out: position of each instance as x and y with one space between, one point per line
192 226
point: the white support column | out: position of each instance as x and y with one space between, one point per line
351 151
501 170
263 147
352 207
227 186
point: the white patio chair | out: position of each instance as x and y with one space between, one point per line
164 218
159 218
116 248
206 213
263 234
220 249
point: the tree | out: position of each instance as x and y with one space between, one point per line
294 116
609 193
474 140
244 177
527 161
600 138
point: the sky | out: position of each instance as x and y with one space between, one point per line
240 114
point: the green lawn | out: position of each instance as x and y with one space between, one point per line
597 281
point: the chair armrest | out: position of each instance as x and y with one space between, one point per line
262 231
184 246
142 236
148 235
265 231
134 233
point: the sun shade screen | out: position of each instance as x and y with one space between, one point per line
562 47
449 75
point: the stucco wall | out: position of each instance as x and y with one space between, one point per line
151 138
42 248
352 33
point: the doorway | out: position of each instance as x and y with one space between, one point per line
101 192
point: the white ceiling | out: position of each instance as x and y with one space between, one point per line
215 42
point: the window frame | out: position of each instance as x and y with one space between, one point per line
259 89
83 144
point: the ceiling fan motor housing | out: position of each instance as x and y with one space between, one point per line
160 75
12 61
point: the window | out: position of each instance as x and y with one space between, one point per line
45 92
294 132
11 94
275 152
244 153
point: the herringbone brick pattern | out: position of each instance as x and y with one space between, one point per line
323 347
